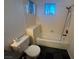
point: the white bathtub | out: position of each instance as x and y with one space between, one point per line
52 40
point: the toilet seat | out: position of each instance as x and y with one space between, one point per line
33 51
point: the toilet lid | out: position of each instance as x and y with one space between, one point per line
32 51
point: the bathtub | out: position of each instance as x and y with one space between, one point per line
52 40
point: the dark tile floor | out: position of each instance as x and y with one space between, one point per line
10 55
46 53
53 53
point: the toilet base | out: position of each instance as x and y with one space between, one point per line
28 57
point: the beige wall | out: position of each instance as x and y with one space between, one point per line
56 21
71 49
71 33
15 19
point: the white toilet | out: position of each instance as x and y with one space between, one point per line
33 50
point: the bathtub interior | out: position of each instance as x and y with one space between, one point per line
50 36
53 40
50 39
53 37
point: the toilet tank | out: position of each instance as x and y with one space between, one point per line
21 44
34 32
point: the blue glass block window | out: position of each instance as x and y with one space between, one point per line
50 8
30 7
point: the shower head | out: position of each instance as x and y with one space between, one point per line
69 8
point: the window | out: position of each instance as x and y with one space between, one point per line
30 7
50 8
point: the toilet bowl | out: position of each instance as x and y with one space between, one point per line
32 51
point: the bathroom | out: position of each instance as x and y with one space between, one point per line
57 31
